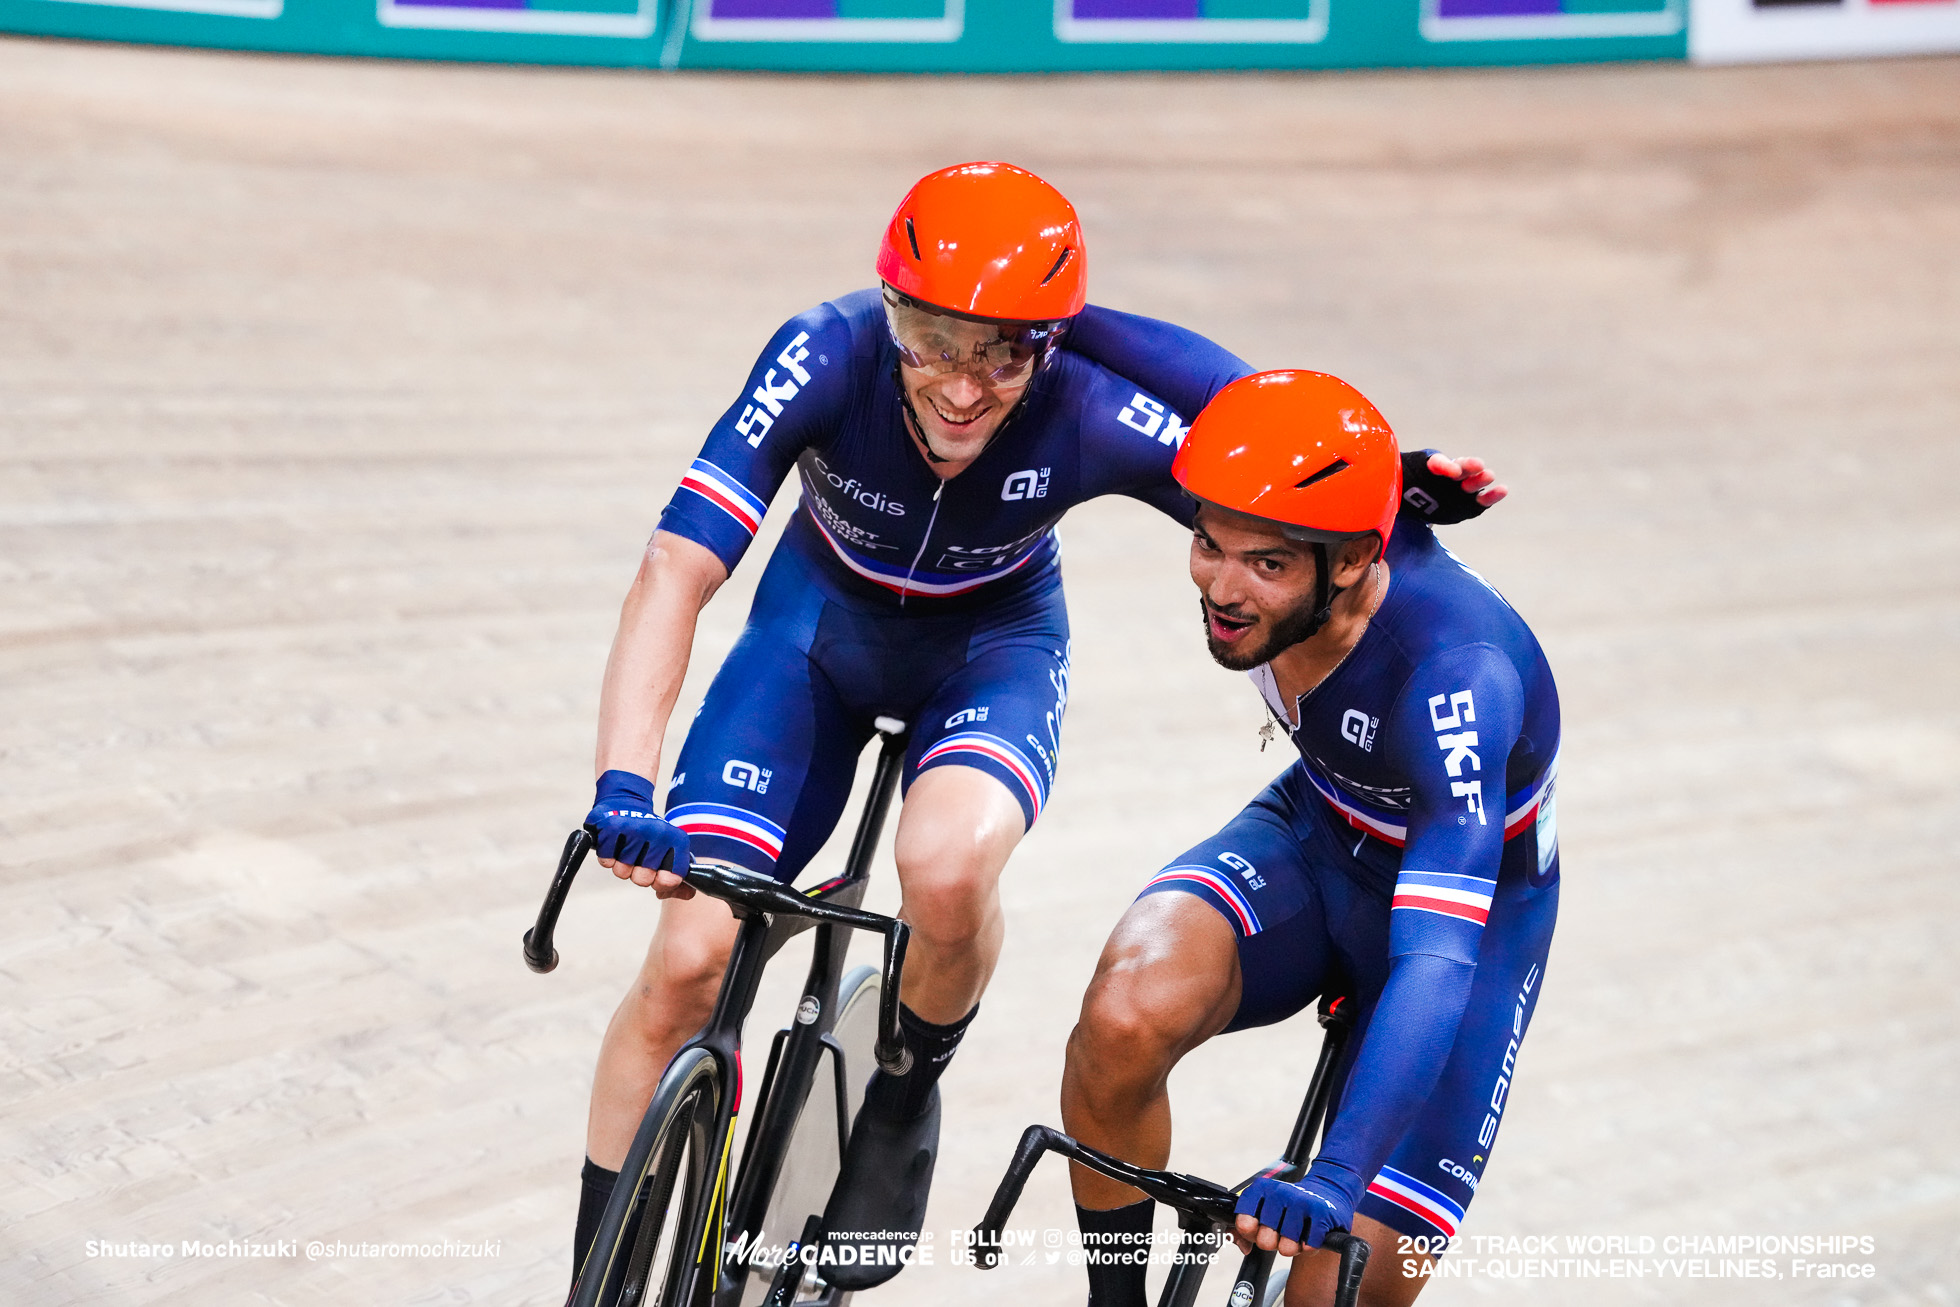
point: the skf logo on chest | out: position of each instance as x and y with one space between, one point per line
1153 419
1030 484
1358 729
746 776
756 421
966 715
1459 747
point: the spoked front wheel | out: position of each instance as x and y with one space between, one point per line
641 1256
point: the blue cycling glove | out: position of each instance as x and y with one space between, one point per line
1323 1200
1437 499
625 828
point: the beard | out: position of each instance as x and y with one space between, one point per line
1282 633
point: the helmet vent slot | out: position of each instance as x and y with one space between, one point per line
913 236
1063 259
1337 465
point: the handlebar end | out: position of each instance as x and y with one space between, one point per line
541 965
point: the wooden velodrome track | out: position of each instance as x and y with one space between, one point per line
337 399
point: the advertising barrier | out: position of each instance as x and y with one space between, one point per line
1016 36
899 35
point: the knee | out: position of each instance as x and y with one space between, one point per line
947 876
677 987
1122 1037
945 905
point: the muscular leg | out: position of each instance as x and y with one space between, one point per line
955 833
670 1000
1167 981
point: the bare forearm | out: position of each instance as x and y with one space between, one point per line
650 652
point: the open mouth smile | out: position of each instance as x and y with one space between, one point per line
1225 628
951 421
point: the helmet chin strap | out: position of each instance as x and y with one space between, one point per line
918 427
1325 592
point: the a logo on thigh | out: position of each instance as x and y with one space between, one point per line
965 715
746 776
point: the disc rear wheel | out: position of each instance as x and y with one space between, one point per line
815 1151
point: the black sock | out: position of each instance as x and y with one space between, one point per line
903 1098
595 1190
1122 1238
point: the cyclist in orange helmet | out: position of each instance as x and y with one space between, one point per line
1407 860
938 433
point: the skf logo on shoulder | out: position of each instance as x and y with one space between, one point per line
1247 872
1358 729
966 715
1153 419
1031 484
770 397
746 776
1459 747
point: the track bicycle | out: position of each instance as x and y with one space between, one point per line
676 1232
1204 1209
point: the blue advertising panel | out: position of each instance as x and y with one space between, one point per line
936 21
1207 21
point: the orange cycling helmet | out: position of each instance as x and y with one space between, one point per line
987 240
1302 449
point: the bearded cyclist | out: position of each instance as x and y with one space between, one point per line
1408 859
938 435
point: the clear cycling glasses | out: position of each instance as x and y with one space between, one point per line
991 352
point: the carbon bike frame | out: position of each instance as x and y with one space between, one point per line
770 914
1202 1207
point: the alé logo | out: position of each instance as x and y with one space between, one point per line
771 395
1246 870
1358 729
1459 748
746 776
1030 484
965 715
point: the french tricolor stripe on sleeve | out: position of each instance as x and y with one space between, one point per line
1464 897
1525 811
738 824
1411 1194
725 493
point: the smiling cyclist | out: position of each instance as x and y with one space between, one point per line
1407 859
938 434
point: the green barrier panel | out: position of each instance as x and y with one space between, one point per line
620 33
897 35
1057 35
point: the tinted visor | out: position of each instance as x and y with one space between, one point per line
994 353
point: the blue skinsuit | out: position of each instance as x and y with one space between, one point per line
894 593
1410 860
